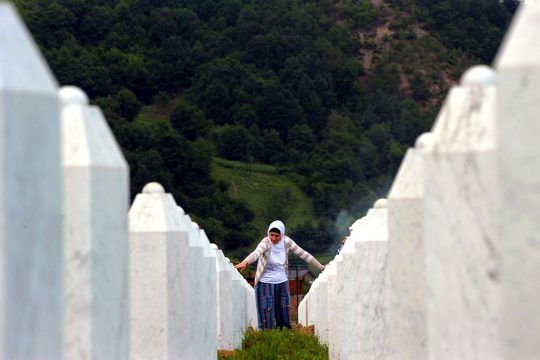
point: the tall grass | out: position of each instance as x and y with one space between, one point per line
268 193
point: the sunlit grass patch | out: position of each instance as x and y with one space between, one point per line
278 344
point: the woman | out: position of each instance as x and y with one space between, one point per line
271 279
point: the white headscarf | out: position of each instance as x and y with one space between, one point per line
278 225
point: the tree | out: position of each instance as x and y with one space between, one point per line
233 142
301 138
419 88
148 166
189 121
273 149
127 104
278 109
311 237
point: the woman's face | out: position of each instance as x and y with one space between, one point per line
274 237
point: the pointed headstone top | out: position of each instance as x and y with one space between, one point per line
380 204
409 180
520 45
153 210
153 188
424 141
22 66
466 121
72 95
479 75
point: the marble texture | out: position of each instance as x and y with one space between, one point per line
406 274
518 153
364 323
302 310
347 302
312 309
30 198
238 319
321 324
96 197
203 310
340 324
225 306
237 309
251 307
159 270
210 326
335 283
199 329
462 250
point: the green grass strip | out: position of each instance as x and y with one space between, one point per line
278 344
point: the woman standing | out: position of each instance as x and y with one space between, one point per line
271 279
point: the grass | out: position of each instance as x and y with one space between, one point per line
269 194
278 344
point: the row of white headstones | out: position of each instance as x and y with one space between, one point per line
449 266
81 275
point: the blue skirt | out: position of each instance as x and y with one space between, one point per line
273 305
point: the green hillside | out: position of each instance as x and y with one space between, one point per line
268 194
332 91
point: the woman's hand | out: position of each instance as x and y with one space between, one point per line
241 266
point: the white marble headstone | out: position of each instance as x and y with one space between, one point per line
365 324
518 67
406 276
96 197
238 319
252 307
159 270
462 251
302 310
30 198
205 301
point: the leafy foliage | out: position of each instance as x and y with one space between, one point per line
276 82
475 26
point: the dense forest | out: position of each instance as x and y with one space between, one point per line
331 93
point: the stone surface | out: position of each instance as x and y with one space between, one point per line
342 325
321 326
364 335
30 198
96 197
338 325
160 271
406 276
334 295
198 286
518 66
225 305
302 311
312 305
462 251
238 319
205 302
304 308
478 75
252 307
